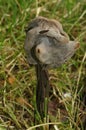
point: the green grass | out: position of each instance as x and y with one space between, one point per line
17 78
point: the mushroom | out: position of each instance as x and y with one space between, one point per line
47 46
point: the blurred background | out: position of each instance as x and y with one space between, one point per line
17 78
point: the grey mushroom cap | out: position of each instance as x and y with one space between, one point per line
46 43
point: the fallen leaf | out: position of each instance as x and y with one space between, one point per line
23 101
11 80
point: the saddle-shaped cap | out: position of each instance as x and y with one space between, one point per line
46 43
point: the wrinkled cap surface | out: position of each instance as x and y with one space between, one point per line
46 43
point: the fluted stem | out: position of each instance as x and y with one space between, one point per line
42 90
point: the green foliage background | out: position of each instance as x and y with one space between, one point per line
17 79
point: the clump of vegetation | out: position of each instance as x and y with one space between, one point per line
17 78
